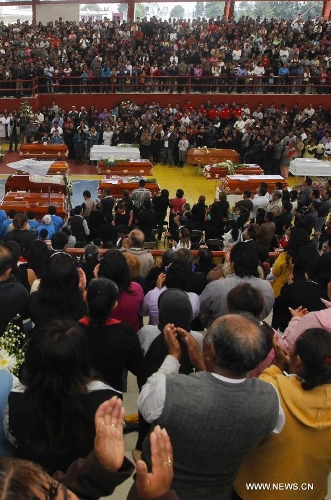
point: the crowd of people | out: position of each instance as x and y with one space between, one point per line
174 55
268 135
88 321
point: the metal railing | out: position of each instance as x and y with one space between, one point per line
165 84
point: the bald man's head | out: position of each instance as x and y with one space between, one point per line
239 341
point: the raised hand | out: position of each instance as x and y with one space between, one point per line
170 337
109 440
299 311
158 482
193 348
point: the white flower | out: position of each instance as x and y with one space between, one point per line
111 158
7 362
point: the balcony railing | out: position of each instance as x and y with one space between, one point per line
165 84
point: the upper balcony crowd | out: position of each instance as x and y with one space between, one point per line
198 55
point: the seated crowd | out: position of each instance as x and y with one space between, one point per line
158 55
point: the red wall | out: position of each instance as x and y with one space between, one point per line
109 100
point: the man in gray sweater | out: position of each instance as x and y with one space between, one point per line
244 262
216 416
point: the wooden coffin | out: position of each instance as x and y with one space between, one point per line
117 186
127 167
36 202
25 182
213 172
44 152
202 156
237 184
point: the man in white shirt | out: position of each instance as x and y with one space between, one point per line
206 414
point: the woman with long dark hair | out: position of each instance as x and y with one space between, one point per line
51 415
60 294
113 344
282 267
130 294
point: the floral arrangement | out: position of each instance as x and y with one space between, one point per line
231 166
2 153
111 161
26 109
11 347
69 189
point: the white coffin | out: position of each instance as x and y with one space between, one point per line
310 166
120 153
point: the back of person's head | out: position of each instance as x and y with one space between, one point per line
165 193
59 240
43 234
245 299
91 252
262 191
185 254
179 193
147 204
168 257
309 181
175 307
101 296
12 213
248 193
239 342
136 238
134 265
15 249
314 348
20 220
298 238
245 260
87 194
263 253
270 216
205 257
293 194
202 199
178 274
31 215
56 369
61 275
6 259
52 210
78 209
142 183
322 272
305 262
287 206
20 480
114 267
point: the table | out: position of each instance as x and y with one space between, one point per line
119 152
202 156
35 183
310 166
126 167
116 185
44 151
214 172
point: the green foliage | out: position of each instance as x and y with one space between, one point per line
178 12
140 11
199 9
213 9
122 8
278 10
